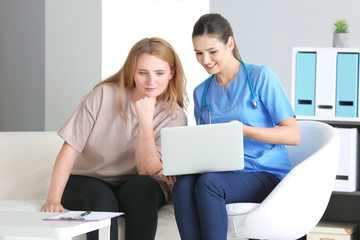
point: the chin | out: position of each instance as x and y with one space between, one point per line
152 95
211 71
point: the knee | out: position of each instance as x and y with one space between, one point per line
97 198
140 188
141 182
206 184
184 184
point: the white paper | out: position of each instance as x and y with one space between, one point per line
93 216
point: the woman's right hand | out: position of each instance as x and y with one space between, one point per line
61 172
52 207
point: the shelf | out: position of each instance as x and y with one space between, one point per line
355 194
346 121
325 85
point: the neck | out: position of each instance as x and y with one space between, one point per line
229 73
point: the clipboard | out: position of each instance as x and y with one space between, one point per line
93 216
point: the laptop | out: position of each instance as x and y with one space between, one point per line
202 148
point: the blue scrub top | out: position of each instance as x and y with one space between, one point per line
235 104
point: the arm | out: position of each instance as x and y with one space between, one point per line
61 172
286 133
146 155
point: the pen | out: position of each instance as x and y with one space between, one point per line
85 213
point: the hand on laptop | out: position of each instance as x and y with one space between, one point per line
168 179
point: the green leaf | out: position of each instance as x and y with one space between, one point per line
340 26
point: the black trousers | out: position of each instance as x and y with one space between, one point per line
139 198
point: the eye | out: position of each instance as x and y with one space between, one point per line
160 73
213 52
142 73
198 53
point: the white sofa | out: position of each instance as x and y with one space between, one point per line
27 159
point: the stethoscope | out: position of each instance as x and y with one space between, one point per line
205 105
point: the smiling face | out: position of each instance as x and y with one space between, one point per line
152 76
212 53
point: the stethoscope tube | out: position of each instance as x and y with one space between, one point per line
205 105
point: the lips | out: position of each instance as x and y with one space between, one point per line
150 89
210 66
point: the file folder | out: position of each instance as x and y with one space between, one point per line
347 85
305 78
325 83
347 173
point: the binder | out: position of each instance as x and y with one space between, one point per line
347 173
347 85
305 77
325 83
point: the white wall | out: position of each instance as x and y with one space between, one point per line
266 31
124 23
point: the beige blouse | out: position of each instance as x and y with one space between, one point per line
106 139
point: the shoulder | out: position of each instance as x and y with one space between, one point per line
105 88
169 117
180 112
163 108
102 95
104 92
180 116
259 70
198 91
101 91
262 74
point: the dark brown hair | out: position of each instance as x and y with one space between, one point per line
215 24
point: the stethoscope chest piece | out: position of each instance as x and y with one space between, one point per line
254 102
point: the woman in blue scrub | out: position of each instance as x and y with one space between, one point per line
268 124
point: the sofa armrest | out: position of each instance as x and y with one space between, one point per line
27 160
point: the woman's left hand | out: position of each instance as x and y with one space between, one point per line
145 108
168 179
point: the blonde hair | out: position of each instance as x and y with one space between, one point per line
176 89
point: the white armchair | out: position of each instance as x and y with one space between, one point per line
297 204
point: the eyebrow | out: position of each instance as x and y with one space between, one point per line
209 49
156 70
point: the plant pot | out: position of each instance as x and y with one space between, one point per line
341 40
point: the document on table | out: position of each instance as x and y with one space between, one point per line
77 216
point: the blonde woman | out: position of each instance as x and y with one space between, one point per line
112 152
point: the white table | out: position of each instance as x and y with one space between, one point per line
30 224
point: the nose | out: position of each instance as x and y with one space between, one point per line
206 58
151 78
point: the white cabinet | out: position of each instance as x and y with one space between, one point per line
325 84
325 87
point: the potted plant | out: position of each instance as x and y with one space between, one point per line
341 35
